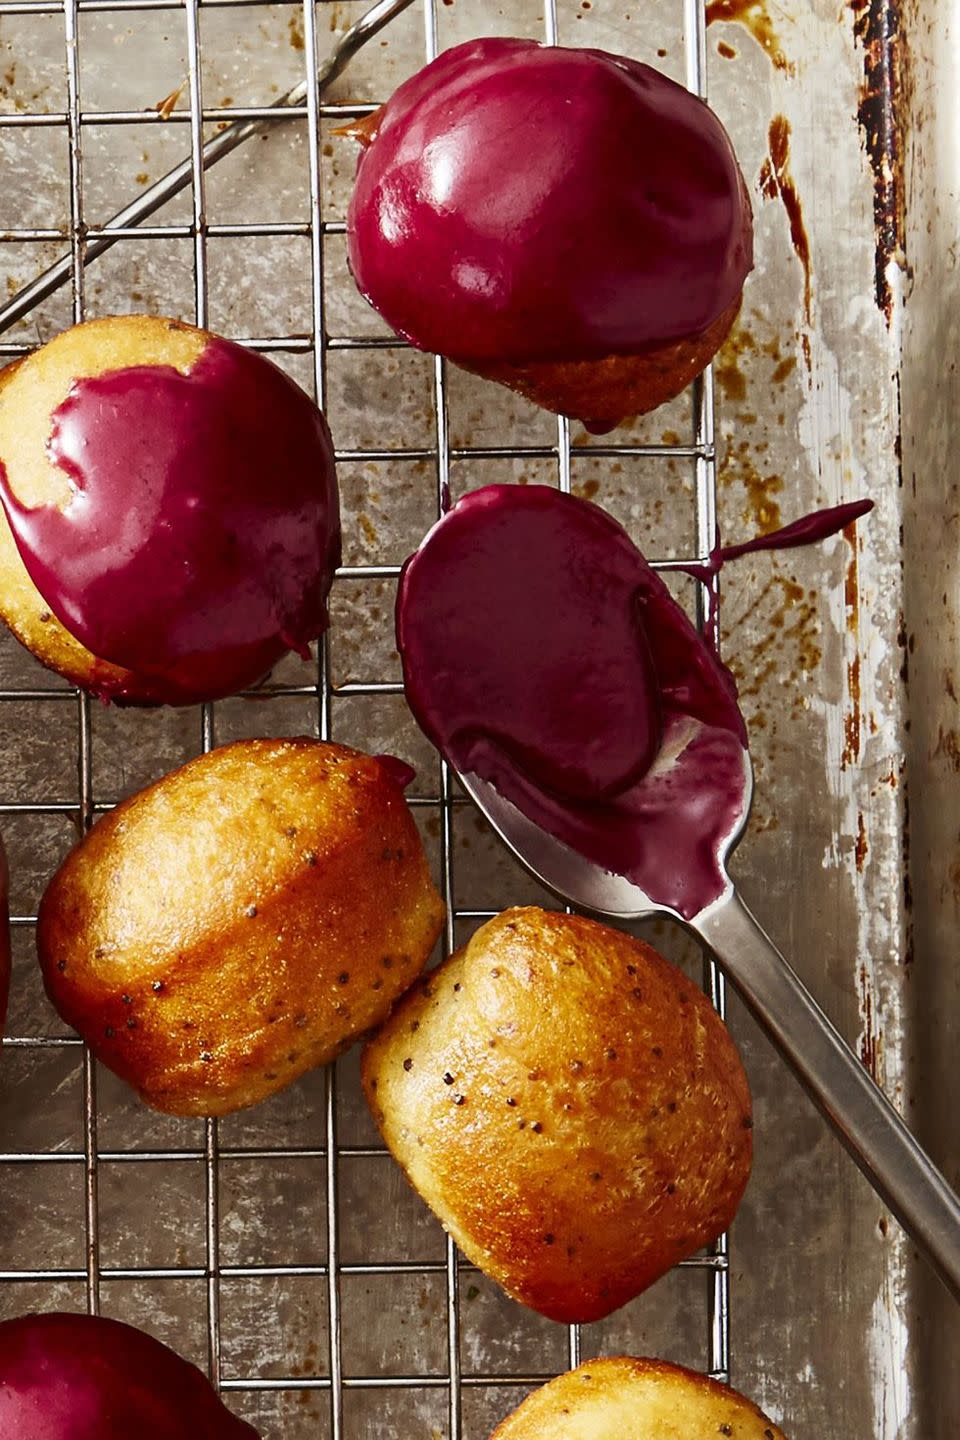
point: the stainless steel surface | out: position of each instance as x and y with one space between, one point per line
931 396
839 1084
181 176
282 1247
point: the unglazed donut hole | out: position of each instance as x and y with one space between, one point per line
625 1399
569 1105
240 922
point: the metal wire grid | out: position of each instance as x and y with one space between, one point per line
701 453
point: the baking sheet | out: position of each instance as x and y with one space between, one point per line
844 121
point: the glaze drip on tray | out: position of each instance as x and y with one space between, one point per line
542 654
808 530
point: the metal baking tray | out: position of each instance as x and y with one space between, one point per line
281 1248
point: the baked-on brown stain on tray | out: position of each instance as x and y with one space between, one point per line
791 618
776 636
754 17
168 104
789 635
779 140
730 379
850 754
738 465
588 490
871 1040
771 644
766 181
730 375
881 114
861 848
785 367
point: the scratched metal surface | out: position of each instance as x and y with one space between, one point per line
834 1329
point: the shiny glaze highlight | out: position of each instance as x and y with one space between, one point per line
202 532
80 1377
518 202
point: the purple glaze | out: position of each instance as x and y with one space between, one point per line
202 534
541 653
399 771
806 531
76 1377
520 202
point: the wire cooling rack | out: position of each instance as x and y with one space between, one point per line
37 1281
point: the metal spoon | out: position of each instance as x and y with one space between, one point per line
177 179
840 1087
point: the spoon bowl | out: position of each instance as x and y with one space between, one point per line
581 882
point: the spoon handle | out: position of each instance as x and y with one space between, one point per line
839 1085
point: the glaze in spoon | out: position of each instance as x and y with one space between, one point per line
549 663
